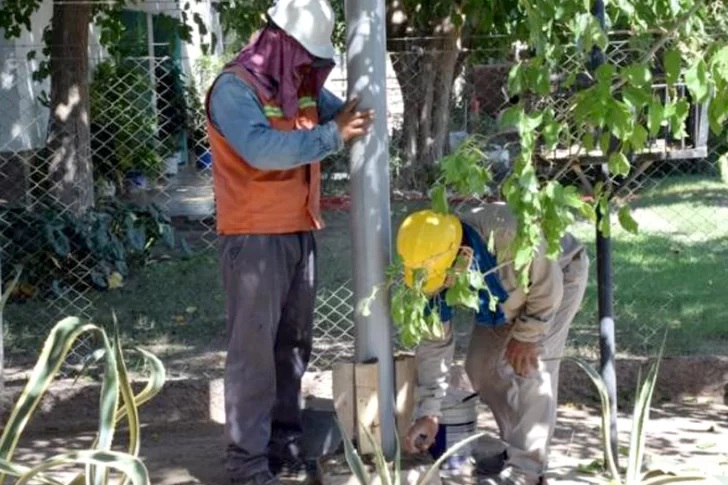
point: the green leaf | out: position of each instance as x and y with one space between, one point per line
605 141
551 133
524 256
516 80
719 64
718 112
678 116
588 141
656 115
638 75
639 138
627 221
538 79
672 62
618 164
637 98
511 116
696 79
439 199
605 74
621 120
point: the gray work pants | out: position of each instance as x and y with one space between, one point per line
525 407
270 290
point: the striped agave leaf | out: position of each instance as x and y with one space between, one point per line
130 466
356 465
56 348
601 386
116 384
16 470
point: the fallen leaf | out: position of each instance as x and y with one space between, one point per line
191 309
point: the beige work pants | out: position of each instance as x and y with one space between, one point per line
525 407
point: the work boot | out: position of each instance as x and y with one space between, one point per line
290 469
511 476
261 478
491 465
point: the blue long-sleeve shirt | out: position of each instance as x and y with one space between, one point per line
236 112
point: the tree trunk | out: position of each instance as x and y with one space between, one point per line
426 75
447 61
70 170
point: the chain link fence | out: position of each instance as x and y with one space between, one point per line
147 250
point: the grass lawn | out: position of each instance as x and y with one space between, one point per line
673 273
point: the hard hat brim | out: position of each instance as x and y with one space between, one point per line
323 51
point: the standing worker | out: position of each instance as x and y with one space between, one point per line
270 122
510 360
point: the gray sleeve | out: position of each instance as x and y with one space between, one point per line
433 359
237 114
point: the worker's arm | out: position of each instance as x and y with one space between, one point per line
237 113
543 299
329 106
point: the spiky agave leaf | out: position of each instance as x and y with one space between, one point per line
130 466
57 345
356 465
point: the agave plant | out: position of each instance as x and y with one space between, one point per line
392 475
634 474
117 403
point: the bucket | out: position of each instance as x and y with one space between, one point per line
459 421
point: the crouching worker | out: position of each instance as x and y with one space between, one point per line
511 351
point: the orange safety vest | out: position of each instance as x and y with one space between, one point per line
253 201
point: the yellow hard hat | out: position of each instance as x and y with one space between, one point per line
429 241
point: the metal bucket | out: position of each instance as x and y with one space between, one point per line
459 421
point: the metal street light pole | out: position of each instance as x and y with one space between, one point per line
370 210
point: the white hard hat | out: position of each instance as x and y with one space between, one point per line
310 22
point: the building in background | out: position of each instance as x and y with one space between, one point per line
151 47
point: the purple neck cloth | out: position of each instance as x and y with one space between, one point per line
282 68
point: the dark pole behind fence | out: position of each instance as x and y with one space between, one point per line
604 276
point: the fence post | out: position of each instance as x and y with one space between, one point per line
604 276
370 210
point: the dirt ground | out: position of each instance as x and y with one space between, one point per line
687 437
